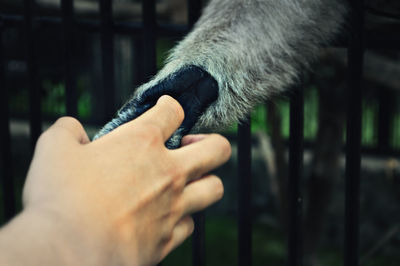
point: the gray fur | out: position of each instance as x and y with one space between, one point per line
115 122
253 48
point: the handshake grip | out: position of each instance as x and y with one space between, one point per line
191 86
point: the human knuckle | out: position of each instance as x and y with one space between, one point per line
224 144
68 120
46 137
67 125
176 177
218 187
149 133
178 208
168 233
190 225
43 137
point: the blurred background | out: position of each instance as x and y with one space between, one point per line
324 125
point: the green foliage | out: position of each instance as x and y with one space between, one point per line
369 123
311 105
284 111
269 247
53 102
54 99
259 119
164 45
85 105
222 245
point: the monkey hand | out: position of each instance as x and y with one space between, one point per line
253 49
191 86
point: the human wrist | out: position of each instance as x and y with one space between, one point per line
37 237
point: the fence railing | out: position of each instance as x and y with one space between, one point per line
148 30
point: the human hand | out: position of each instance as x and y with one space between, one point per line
124 198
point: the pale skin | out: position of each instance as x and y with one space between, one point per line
123 199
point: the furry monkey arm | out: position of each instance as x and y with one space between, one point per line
248 50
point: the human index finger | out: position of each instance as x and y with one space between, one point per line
167 115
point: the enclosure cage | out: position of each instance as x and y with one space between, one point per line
146 31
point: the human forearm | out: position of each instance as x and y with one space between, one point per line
40 238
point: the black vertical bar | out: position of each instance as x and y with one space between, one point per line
199 243
244 190
353 140
149 38
35 115
194 11
70 84
138 47
107 52
295 245
199 240
7 181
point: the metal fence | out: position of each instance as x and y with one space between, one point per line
149 30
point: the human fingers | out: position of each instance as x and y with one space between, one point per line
202 193
71 126
167 115
189 139
183 229
203 156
